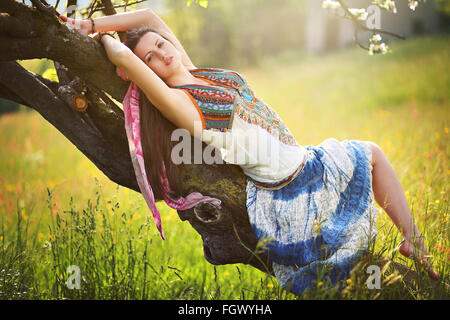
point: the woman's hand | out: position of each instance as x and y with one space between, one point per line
84 26
97 36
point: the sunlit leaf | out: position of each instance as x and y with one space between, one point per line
50 74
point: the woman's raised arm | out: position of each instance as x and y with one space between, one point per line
118 22
125 21
131 20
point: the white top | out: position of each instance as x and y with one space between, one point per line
254 137
260 155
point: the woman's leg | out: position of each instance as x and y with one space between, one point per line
390 196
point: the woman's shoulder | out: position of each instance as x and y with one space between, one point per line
219 74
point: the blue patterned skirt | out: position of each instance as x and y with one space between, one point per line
320 224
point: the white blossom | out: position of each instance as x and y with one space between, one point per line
360 14
392 6
387 4
375 38
378 48
330 4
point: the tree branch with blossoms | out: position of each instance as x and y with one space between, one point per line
358 16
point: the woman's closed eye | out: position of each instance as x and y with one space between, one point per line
151 55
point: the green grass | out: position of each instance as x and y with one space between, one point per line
57 209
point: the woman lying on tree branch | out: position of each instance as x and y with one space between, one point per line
314 203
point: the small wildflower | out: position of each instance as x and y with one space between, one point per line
270 285
349 281
436 201
441 248
446 130
320 284
226 274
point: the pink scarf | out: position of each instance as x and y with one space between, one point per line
132 126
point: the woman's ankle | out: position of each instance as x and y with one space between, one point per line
412 234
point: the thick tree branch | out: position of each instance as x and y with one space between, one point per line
5 93
108 9
55 41
45 7
35 94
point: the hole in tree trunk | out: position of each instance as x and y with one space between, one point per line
206 212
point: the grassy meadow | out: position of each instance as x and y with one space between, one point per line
57 209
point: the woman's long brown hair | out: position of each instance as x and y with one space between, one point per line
156 131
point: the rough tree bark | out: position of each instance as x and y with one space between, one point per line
27 33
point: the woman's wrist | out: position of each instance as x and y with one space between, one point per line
91 25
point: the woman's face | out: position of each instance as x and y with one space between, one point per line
159 54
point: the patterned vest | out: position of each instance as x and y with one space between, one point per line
230 97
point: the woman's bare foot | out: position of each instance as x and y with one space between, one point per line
418 253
